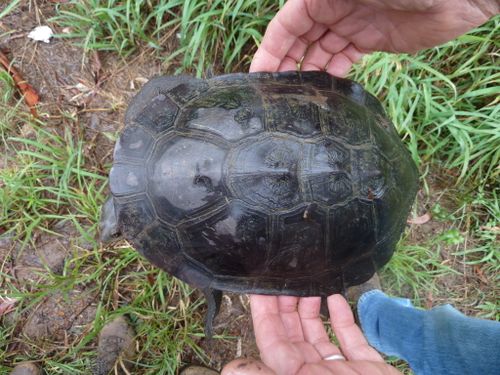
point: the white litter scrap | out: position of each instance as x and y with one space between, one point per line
41 34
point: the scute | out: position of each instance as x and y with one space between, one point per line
185 175
134 143
299 240
386 138
327 173
184 92
387 212
345 119
359 271
126 179
160 245
352 90
159 115
351 231
374 173
265 173
296 115
228 112
232 242
134 215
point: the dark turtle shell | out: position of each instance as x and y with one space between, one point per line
284 183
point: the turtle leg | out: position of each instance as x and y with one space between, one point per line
214 298
108 227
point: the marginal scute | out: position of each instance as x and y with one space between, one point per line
126 179
159 244
134 143
134 215
359 271
388 212
350 89
159 115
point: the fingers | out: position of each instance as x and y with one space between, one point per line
313 328
243 366
267 322
271 336
321 52
290 318
300 32
331 53
341 63
281 34
352 342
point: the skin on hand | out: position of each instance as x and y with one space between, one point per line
292 339
331 35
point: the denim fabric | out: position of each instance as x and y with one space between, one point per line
434 342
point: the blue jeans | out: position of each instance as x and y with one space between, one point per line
438 341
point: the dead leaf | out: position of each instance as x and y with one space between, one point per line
31 97
480 274
7 305
419 220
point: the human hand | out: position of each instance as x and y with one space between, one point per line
333 34
292 340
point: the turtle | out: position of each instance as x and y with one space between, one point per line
289 183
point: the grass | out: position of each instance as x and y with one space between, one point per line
443 101
46 183
221 34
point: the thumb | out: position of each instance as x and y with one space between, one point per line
246 366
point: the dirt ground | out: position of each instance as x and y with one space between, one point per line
95 90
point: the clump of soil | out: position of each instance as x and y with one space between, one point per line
116 341
60 315
48 253
26 368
